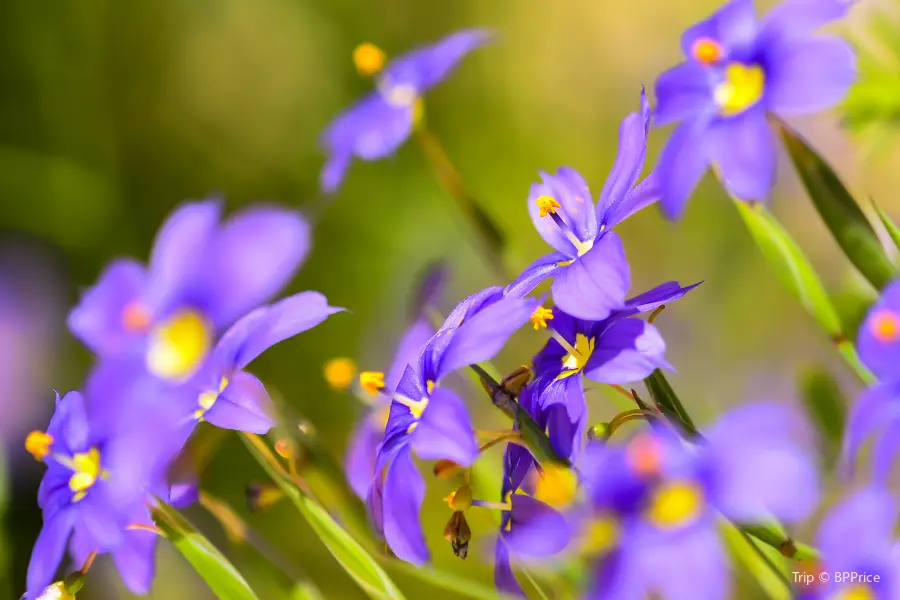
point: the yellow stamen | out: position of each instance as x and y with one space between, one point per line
602 535
38 444
743 87
339 373
885 326
547 205
706 51
675 504
179 345
136 317
578 355
372 381
369 59
87 469
556 486
208 398
540 316
857 591
429 386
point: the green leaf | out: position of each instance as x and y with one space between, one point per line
667 400
306 591
358 563
825 404
793 269
452 582
774 535
840 212
763 562
219 574
889 224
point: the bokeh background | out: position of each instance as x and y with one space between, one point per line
112 113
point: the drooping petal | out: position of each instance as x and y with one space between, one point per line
180 251
253 256
761 464
263 328
792 20
643 195
48 551
135 557
445 430
684 92
653 299
332 175
629 161
481 336
101 320
874 409
537 530
504 578
629 350
243 405
567 433
411 345
425 67
371 129
859 530
809 76
595 284
733 27
403 494
359 461
878 340
534 274
743 147
681 165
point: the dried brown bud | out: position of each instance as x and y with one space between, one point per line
457 532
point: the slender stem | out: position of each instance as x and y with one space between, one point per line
768 562
490 235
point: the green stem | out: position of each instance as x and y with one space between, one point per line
768 562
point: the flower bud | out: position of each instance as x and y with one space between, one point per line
457 532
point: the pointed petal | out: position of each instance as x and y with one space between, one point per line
684 92
762 465
643 195
595 284
683 162
534 274
359 462
445 430
810 76
404 492
483 335
538 530
504 578
332 175
733 26
411 345
658 296
425 67
629 161
243 405
873 410
254 255
48 551
743 148
70 424
98 320
629 350
793 20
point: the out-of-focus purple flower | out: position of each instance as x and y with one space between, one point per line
433 420
203 276
379 124
738 71
857 537
617 350
592 275
82 498
654 502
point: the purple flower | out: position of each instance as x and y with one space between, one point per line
738 71
433 420
81 493
380 123
592 275
857 537
203 276
617 350
652 527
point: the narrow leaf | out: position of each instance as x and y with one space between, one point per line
774 535
358 563
220 575
762 562
889 224
826 406
462 588
667 400
840 212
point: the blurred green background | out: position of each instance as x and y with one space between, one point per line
112 113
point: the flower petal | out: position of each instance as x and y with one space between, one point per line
504 578
629 350
658 296
243 405
733 27
404 492
411 345
743 147
681 165
879 351
445 430
885 451
809 76
332 175
576 209
48 550
874 409
371 129
629 161
594 284
643 195
761 466
98 320
425 67
135 558
253 256
70 424
858 530
683 92
359 462
792 20
537 529
534 274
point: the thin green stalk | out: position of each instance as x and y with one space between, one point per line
768 562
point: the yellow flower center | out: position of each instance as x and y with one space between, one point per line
743 87
372 381
86 467
208 398
578 355
556 486
675 504
179 345
706 51
38 444
339 373
547 205
885 326
369 59
540 316
601 536
858 591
